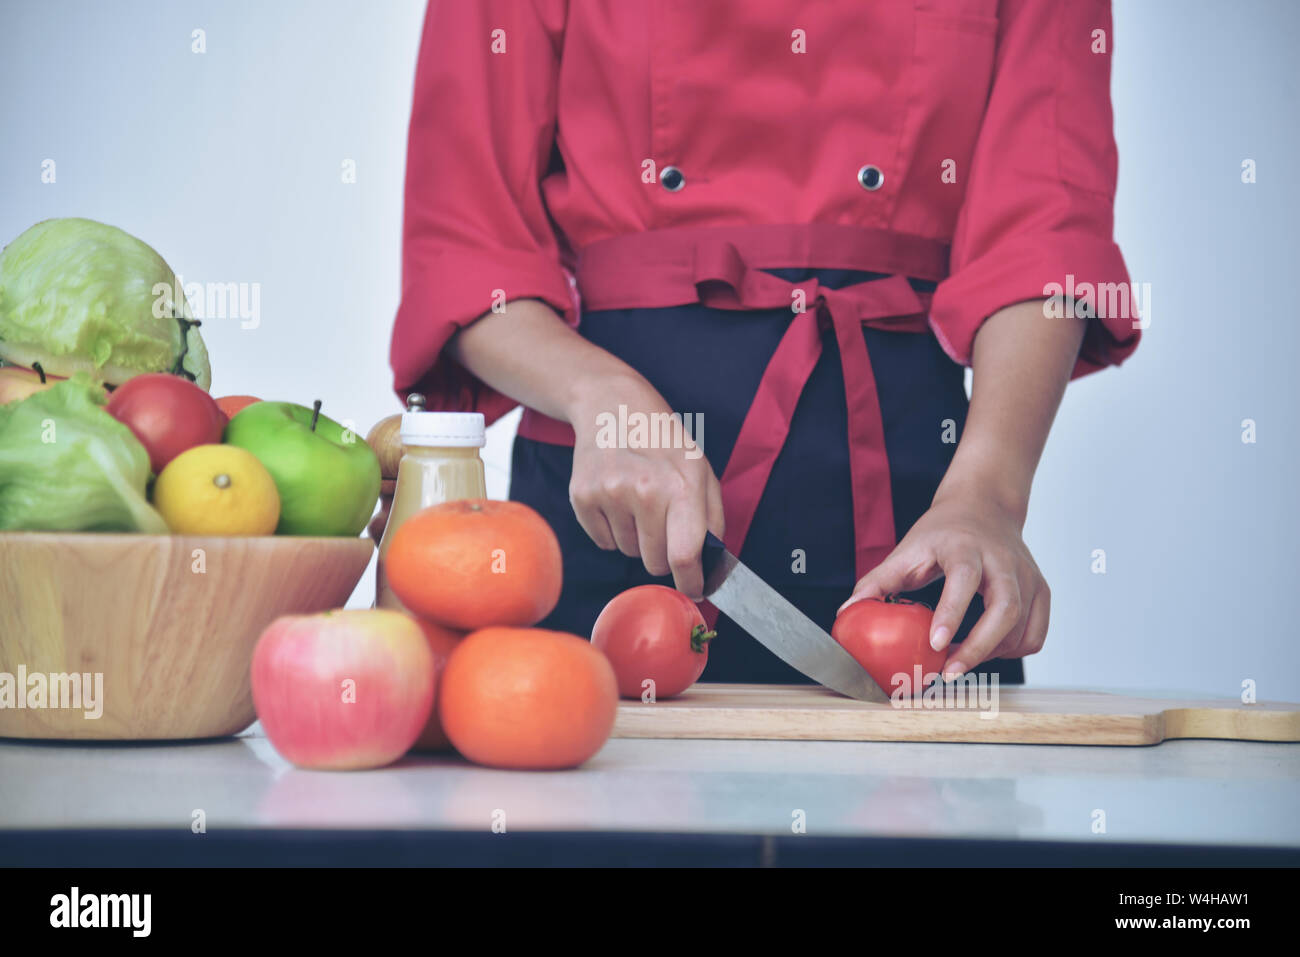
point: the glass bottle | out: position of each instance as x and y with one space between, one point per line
440 463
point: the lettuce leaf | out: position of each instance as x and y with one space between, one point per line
67 465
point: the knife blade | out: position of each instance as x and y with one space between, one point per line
780 627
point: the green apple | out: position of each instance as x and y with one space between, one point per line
327 476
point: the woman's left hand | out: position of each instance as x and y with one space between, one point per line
975 544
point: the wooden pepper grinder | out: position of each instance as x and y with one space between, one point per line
386 439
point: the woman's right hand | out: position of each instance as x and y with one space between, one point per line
652 503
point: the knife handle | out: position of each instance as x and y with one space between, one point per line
714 549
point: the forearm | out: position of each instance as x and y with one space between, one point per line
529 353
651 502
1021 364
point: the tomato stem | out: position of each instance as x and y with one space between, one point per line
700 637
896 600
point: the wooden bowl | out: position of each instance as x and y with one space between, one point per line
168 621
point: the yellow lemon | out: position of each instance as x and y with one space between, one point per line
217 490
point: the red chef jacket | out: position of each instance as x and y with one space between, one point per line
614 153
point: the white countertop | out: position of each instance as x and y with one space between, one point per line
1182 792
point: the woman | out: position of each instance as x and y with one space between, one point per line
794 224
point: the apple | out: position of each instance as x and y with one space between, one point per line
232 404
18 382
168 415
343 690
327 477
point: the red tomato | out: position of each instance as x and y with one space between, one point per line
168 415
888 637
653 632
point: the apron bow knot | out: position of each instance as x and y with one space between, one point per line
724 280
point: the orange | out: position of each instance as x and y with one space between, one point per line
442 641
527 698
473 563
232 404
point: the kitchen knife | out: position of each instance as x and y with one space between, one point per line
780 627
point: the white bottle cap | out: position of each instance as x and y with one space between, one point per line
444 429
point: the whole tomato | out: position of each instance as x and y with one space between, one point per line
888 637
656 633
167 414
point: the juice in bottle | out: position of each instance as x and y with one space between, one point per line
440 463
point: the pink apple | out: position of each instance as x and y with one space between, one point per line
17 383
343 690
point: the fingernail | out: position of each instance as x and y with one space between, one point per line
939 640
954 670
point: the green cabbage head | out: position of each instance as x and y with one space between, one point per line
81 296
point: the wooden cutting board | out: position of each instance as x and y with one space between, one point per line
1017 715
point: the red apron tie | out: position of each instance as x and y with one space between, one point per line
724 281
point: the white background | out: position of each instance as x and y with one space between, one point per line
229 164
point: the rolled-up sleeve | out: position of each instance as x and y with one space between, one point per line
1038 212
475 231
